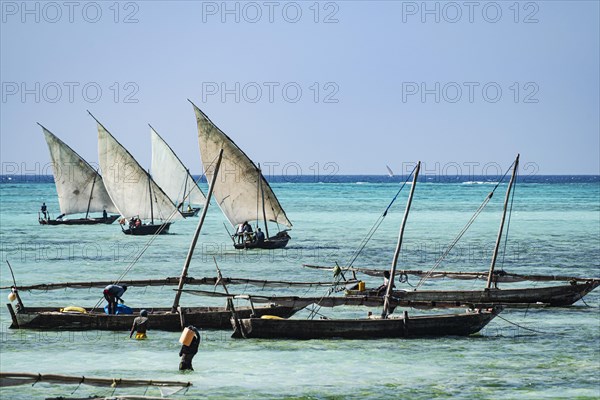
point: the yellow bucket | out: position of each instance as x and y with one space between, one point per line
186 337
361 286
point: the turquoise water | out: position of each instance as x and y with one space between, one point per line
549 353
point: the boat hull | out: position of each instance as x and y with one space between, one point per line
278 241
554 296
79 221
50 318
161 229
413 327
192 213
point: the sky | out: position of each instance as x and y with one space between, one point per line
311 88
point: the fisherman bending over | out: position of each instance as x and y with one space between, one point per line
112 294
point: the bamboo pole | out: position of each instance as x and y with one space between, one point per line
188 259
388 292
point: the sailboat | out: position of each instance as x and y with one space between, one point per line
133 191
386 326
79 186
170 174
243 193
173 318
553 296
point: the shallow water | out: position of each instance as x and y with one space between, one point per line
535 353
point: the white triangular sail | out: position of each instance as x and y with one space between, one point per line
130 187
236 191
171 175
79 186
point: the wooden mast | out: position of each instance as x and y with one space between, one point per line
262 196
495 255
91 195
388 292
188 259
184 189
150 191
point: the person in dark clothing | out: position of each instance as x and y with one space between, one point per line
140 325
187 353
104 215
248 232
45 210
112 294
260 236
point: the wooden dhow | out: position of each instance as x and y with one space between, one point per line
79 186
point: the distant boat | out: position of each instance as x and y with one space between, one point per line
79 186
169 172
243 194
132 189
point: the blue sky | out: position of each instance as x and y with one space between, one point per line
305 87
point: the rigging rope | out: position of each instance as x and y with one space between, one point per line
512 198
463 230
376 225
340 275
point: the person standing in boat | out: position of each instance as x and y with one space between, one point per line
44 210
140 325
104 215
239 232
188 352
113 294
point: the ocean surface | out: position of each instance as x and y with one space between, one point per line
526 354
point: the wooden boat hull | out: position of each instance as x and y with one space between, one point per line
278 241
554 296
413 327
161 229
50 318
193 213
79 221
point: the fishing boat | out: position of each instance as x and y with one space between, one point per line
174 177
381 327
133 191
243 193
498 277
174 318
79 186
554 296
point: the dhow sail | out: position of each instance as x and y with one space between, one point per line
236 192
173 177
79 186
130 187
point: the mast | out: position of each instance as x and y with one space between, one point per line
185 188
188 259
262 196
150 191
388 292
91 195
497 247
